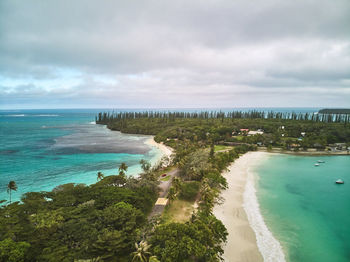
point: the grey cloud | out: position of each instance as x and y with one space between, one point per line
161 50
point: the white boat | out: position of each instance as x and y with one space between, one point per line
317 164
339 181
320 161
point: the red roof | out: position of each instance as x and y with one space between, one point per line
244 130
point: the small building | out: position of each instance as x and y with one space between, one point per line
253 133
161 201
341 146
303 133
337 147
332 147
244 131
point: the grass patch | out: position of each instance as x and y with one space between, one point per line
178 211
239 138
221 147
165 178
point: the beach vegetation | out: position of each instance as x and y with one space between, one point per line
199 239
141 254
123 168
12 186
145 165
189 190
78 222
13 251
100 176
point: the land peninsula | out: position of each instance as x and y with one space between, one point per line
114 219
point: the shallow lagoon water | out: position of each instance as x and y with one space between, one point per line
303 207
43 149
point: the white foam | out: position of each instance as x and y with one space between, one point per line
19 115
46 115
269 247
41 115
92 123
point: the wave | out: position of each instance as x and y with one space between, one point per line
24 115
269 247
46 115
18 115
92 123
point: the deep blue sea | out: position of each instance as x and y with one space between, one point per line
41 149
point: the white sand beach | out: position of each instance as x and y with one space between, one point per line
167 151
243 228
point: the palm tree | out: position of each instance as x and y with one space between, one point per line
172 194
122 169
141 252
100 176
207 196
145 165
177 184
11 186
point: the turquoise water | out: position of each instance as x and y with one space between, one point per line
305 210
41 149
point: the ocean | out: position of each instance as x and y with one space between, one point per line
41 149
303 207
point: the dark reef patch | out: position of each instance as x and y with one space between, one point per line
8 152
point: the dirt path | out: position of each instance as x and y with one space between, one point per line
164 189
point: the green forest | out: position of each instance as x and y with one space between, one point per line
279 129
74 222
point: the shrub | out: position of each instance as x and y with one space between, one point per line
189 190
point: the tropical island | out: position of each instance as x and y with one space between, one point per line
328 133
166 213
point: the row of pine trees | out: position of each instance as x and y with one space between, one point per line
107 117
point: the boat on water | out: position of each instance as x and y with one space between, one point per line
320 161
339 181
317 164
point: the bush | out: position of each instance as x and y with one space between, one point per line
189 190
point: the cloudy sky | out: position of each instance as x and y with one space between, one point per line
209 53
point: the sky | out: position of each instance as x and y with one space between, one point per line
174 54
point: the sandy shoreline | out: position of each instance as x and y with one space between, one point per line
166 151
249 239
304 153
